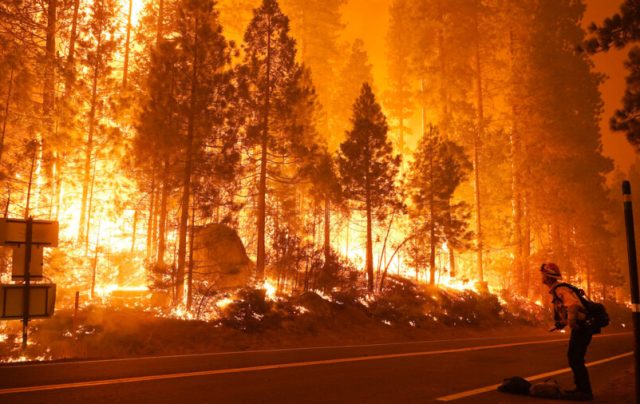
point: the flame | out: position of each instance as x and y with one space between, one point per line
107 290
224 302
269 289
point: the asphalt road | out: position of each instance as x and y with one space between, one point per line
459 370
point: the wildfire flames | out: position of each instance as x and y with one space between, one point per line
128 228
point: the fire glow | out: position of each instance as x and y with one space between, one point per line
136 240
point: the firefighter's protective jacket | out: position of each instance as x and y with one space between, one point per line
568 309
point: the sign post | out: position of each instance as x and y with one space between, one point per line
633 279
28 233
27 282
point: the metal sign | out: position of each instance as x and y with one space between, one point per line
14 231
42 298
17 262
25 300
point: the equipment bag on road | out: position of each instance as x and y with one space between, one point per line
597 316
549 388
515 385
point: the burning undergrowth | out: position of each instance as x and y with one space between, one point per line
254 318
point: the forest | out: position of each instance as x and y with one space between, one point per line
190 147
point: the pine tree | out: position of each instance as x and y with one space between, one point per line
158 131
400 47
561 137
189 118
97 50
355 71
326 191
619 31
271 79
206 58
368 168
438 169
316 25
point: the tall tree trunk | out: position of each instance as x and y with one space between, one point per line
327 230
5 118
452 263
262 186
156 220
48 92
125 68
516 183
70 78
192 235
369 252
153 214
163 215
526 247
27 211
432 225
444 90
134 231
152 194
476 154
186 189
444 121
88 152
90 209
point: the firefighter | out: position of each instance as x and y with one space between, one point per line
569 310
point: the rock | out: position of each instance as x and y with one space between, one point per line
314 303
220 257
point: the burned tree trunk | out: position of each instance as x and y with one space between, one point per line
327 230
369 252
5 118
476 155
88 152
262 186
150 225
162 226
191 263
125 68
70 77
186 184
432 225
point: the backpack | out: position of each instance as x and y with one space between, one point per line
547 389
515 385
597 316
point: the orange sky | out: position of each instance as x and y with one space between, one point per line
368 19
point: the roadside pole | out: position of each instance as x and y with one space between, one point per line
633 279
27 282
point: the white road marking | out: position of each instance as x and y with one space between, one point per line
493 387
136 379
208 354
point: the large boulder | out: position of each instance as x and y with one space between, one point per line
220 257
314 303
